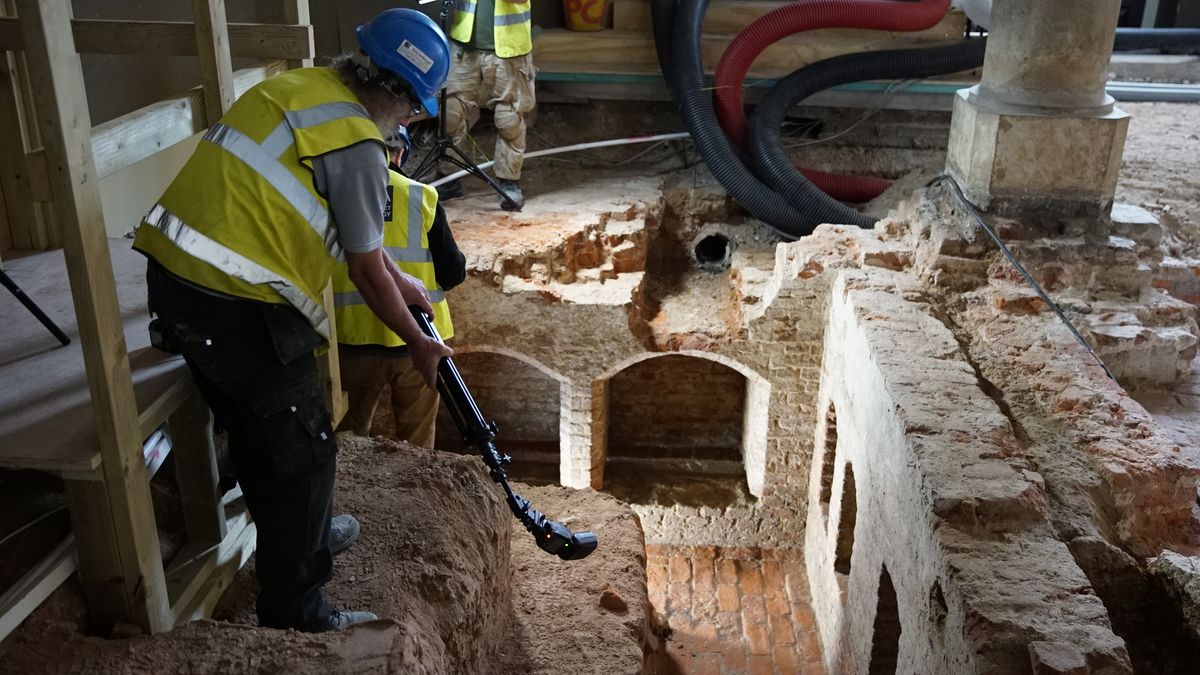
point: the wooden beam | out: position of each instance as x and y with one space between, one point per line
174 38
130 138
329 369
216 65
296 12
196 471
131 540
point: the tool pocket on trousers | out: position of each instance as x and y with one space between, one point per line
297 431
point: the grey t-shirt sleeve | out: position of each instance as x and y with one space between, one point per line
355 181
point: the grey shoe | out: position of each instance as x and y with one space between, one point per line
450 190
343 620
512 189
343 531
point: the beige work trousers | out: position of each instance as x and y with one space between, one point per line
482 79
414 405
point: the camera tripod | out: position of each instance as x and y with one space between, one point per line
444 149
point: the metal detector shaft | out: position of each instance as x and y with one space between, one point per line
551 536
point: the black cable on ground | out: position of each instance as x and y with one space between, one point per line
771 159
1012 259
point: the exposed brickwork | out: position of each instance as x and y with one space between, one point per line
732 611
677 401
524 402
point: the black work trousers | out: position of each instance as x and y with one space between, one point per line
253 363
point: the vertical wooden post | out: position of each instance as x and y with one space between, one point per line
212 43
196 472
131 544
328 368
30 223
296 12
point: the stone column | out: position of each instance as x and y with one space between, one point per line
581 436
1039 134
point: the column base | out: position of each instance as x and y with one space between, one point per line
1015 163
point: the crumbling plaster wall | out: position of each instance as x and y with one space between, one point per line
943 501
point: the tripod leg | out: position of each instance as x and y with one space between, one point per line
34 309
465 162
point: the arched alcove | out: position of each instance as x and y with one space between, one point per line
685 427
525 400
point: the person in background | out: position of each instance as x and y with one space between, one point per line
372 357
241 246
492 67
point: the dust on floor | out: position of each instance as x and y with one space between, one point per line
434 560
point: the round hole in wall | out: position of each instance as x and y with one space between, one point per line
713 250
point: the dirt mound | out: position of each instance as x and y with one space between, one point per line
561 625
433 558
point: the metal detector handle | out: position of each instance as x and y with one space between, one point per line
551 536
465 413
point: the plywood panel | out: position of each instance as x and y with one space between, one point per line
6 242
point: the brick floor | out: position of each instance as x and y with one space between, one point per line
733 611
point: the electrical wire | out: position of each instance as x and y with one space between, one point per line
893 89
13 535
962 198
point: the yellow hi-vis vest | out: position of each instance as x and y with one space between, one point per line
243 217
406 223
512 26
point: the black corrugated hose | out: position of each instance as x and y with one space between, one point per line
771 160
695 106
788 202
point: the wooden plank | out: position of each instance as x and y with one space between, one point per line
138 592
165 405
6 242
196 471
633 53
231 556
216 65
296 12
197 566
330 370
130 138
174 38
37 176
729 17
32 225
19 601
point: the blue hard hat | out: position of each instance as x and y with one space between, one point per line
411 46
399 139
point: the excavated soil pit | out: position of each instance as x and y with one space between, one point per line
461 590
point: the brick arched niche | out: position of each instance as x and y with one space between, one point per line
687 408
524 397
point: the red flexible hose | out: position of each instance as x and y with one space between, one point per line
846 188
800 16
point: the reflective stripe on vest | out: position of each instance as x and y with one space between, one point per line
235 265
511 24
243 217
406 242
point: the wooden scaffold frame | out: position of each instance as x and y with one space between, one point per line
51 163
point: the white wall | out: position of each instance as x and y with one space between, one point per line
129 193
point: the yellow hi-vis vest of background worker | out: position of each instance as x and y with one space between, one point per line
406 223
243 217
513 26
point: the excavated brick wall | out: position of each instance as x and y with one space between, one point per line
523 401
676 402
